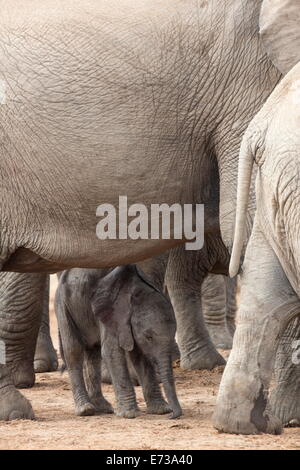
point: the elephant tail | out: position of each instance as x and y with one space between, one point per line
246 160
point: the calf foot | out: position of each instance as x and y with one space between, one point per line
85 409
45 359
102 406
13 405
158 407
204 358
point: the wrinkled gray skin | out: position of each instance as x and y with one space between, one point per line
219 309
280 32
270 290
119 314
24 312
183 273
166 86
45 358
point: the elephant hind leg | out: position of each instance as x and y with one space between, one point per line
21 304
73 354
285 397
45 359
197 350
214 309
266 300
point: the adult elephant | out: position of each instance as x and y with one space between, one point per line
111 98
242 405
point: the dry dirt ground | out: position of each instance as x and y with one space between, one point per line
56 426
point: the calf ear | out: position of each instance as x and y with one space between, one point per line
280 32
111 303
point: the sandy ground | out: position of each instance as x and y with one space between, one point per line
56 426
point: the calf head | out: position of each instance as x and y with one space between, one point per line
131 307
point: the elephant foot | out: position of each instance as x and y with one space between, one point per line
85 409
22 374
158 407
286 406
243 407
220 336
204 358
128 413
235 422
102 406
45 359
13 405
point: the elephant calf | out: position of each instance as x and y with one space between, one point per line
121 314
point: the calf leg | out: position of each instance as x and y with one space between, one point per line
92 378
73 352
148 379
116 362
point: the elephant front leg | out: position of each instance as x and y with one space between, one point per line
151 389
214 310
13 405
116 362
285 398
21 304
196 348
45 359
92 378
184 278
266 296
184 287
